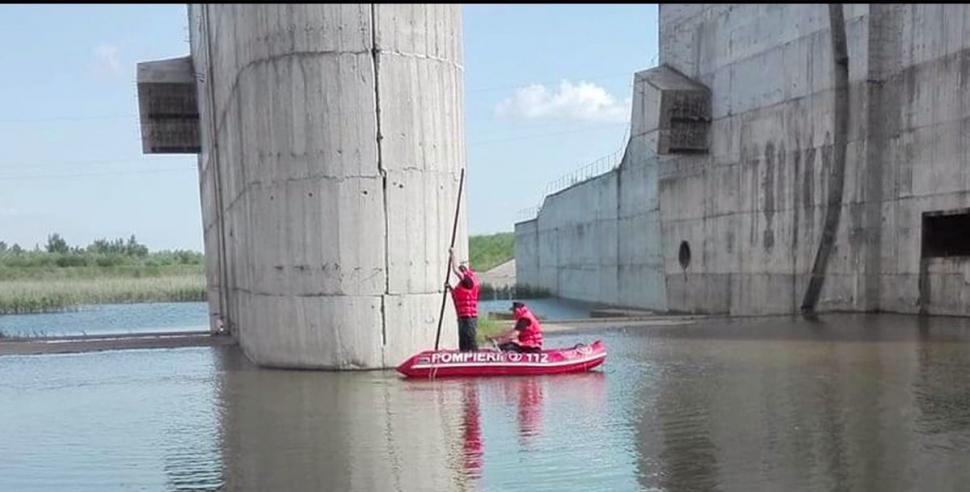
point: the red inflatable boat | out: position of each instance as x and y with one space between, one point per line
451 363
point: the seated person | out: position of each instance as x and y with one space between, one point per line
527 334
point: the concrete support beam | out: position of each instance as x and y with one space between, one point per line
673 111
167 107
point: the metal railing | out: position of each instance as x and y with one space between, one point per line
595 168
590 170
528 213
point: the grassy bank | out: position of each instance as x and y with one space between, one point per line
62 277
61 292
489 251
488 327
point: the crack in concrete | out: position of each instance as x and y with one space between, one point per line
376 58
276 182
269 59
259 183
421 56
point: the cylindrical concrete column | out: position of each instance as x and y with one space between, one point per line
334 135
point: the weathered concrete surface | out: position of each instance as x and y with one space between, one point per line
331 148
752 208
577 251
596 241
526 248
501 276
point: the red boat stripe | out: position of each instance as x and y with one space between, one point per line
509 364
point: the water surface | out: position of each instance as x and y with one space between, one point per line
852 403
551 308
110 319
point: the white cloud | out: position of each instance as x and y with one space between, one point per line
107 58
583 101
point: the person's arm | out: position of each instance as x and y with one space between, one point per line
451 258
512 333
505 336
461 280
454 264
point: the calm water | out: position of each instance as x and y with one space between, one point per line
854 403
110 319
549 308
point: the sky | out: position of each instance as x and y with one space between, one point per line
547 90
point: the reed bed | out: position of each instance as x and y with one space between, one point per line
39 295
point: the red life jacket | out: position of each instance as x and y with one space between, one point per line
466 299
532 335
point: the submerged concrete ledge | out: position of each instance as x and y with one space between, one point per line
166 340
96 343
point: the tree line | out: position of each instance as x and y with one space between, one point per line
57 252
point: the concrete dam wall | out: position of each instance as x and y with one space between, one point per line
732 221
330 147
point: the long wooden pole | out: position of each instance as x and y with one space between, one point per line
454 231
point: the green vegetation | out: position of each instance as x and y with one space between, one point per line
518 291
489 251
33 296
61 277
489 327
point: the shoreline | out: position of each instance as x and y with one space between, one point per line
97 343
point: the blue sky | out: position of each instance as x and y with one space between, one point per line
547 90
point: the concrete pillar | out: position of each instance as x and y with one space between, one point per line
331 147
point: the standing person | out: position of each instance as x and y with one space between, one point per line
526 336
465 296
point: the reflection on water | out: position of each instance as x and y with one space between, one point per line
373 431
818 406
529 402
471 426
110 420
852 402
